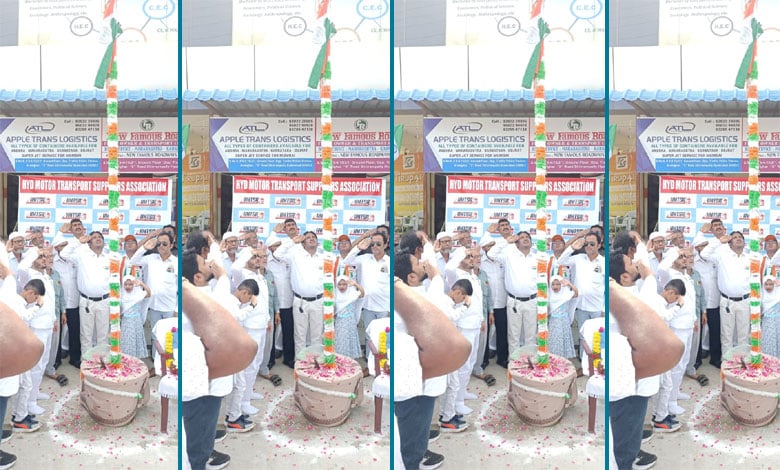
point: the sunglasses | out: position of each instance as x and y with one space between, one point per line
377 244
591 244
163 244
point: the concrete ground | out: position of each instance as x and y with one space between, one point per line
69 438
283 438
497 438
710 438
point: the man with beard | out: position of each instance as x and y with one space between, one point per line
414 410
636 323
226 348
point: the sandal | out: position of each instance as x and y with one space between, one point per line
273 378
489 379
61 379
702 379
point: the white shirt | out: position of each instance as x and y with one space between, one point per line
221 386
733 270
519 268
163 276
374 277
92 270
589 278
306 277
257 317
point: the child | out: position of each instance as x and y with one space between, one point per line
770 317
561 341
460 301
135 299
346 318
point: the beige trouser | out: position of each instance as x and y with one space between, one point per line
734 316
521 322
93 320
307 317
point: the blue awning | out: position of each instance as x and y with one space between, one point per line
690 95
283 95
496 95
86 95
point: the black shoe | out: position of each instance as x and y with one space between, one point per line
217 460
644 460
6 436
492 354
503 364
705 353
433 435
65 354
431 460
278 354
6 460
647 435
291 365
715 365
220 436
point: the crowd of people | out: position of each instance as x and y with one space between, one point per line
272 290
486 290
699 291
60 291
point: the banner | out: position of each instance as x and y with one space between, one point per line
262 202
408 193
688 144
290 145
688 202
684 22
472 22
81 21
196 188
47 202
622 192
275 22
77 145
475 202
576 145
502 145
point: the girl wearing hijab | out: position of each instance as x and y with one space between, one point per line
561 292
347 341
770 317
135 299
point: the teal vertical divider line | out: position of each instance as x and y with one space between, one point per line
179 219
607 147
391 218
